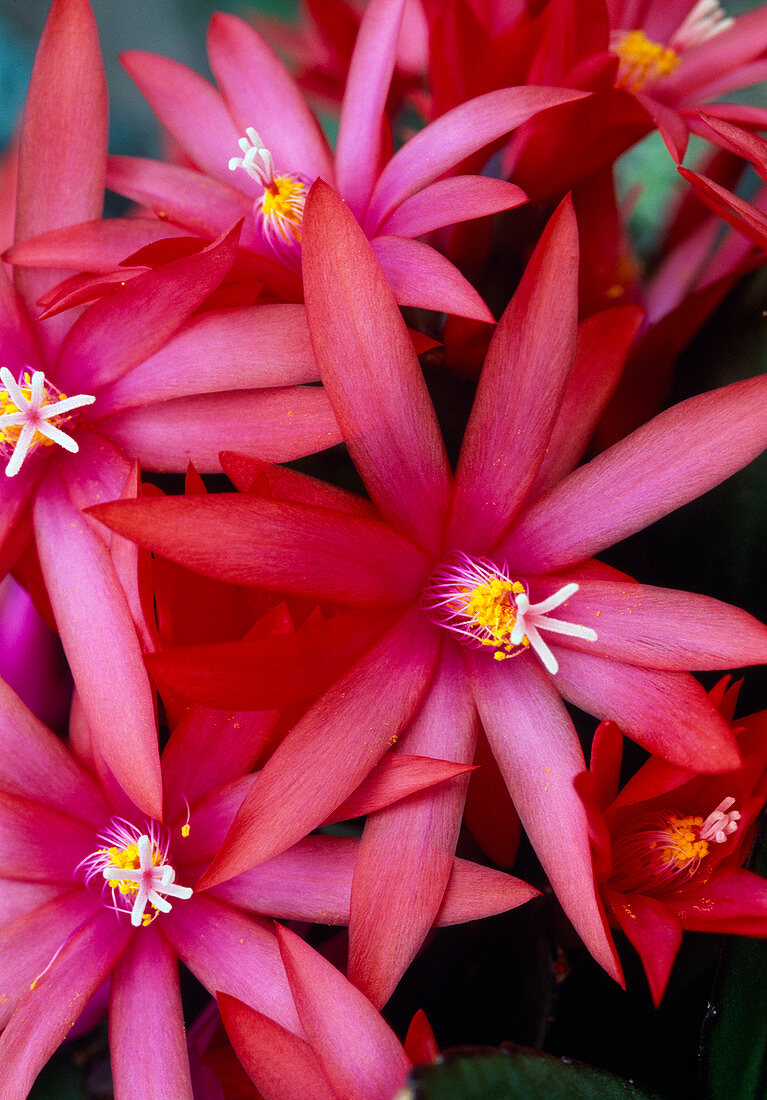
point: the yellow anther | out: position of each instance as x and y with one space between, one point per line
642 61
185 830
283 206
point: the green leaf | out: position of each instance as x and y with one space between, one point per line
734 1046
514 1073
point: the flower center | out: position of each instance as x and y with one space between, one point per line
641 61
133 865
663 851
480 603
30 410
282 207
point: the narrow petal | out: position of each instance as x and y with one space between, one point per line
47 1012
406 853
668 713
63 147
360 129
101 644
453 137
741 215
397 776
233 349
679 455
420 276
290 547
251 475
193 112
333 747
449 201
655 934
359 1053
260 92
146 1023
381 401
35 763
17 898
232 953
520 391
657 627
538 752
733 900
134 322
279 1062
276 425
190 198
97 246
605 763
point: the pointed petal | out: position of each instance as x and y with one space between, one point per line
101 644
47 1012
605 763
193 112
538 752
449 201
670 124
330 751
380 401
668 713
453 137
358 149
474 892
260 92
97 247
359 1053
134 322
251 475
219 344
420 1043
733 900
62 153
406 853
146 1023
679 455
521 389
290 547
190 198
232 953
655 934
35 763
420 276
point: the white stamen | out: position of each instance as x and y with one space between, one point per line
257 160
34 416
721 823
153 880
703 21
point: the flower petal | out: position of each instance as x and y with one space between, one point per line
420 276
280 1064
538 752
359 1053
273 544
406 853
332 748
449 201
381 401
101 644
233 953
679 455
146 1023
520 390
668 713
655 934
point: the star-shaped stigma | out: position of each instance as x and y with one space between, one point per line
149 880
35 412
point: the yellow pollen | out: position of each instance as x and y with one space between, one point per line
684 846
10 433
491 607
642 60
127 859
185 830
284 205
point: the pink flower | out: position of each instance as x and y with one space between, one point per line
670 844
481 587
257 148
93 887
83 396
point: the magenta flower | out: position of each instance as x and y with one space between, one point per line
670 844
257 148
91 886
531 618
83 396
